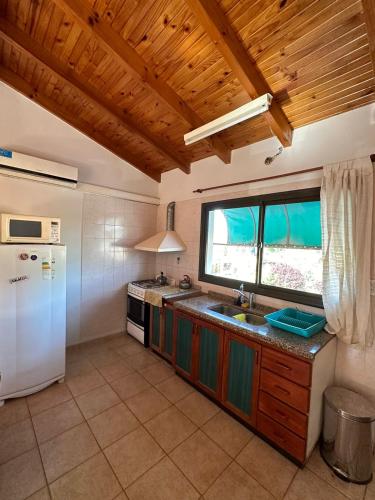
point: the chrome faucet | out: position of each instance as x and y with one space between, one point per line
244 297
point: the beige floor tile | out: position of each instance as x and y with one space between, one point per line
22 476
157 373
174 388
56 420
263 462
227 433
198 408
116 370
321 469
94 402
142 360
85 383
104 358
201 460
49 397
122 496
129 386
92 480
235 484
133 455
119 341
308 486
147 404
170 428
66 451
163 482
113 424
16 440
74 354
78 368
131 349
370 491
42 494
13 411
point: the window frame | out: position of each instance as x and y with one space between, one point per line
301 195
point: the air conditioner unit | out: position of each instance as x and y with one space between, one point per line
23 166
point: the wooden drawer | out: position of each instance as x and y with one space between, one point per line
282 437
287 366
282 413
285 390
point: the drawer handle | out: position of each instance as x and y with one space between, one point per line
282 415
285 391
281 365
281 438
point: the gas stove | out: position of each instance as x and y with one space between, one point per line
137 288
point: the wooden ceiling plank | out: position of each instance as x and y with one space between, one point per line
25 88
23 42
126 55
369 12
227 42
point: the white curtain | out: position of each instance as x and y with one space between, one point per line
347 212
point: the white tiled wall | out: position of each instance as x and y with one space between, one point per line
111 227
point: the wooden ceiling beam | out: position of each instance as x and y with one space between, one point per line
369 12
31 48
218 28
19 84
115 45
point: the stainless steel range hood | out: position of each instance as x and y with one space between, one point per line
165 241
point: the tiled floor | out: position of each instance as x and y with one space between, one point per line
124 426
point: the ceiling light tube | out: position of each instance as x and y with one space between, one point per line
249 110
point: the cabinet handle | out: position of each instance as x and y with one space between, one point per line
256 357
282 415
281 365
285 391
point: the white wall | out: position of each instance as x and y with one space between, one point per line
342 137
347 136
30 129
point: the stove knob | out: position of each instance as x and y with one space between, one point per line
24 256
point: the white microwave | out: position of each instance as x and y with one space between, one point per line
29 229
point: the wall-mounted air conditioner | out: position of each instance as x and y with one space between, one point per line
23 166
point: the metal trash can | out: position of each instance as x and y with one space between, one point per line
348 434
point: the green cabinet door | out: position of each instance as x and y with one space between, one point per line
241 377
168 331
184 345
209 357
155 326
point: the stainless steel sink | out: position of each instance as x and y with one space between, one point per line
230 311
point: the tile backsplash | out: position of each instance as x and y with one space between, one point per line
110 229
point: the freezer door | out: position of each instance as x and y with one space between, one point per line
32 316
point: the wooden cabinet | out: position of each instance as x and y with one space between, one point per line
198 352
155 327
209 348
183 345
277 393
241 376
167 332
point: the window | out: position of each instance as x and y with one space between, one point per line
272 243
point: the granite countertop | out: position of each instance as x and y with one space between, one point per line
155 296
266 334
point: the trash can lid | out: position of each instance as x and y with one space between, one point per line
350 404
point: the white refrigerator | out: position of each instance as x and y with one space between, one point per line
32 318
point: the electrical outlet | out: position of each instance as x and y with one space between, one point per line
372 287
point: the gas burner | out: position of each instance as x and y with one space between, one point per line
147 283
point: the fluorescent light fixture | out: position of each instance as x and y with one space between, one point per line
249 110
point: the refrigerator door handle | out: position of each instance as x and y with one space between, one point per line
19 278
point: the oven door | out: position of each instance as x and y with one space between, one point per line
136 311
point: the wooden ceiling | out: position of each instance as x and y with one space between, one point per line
136 75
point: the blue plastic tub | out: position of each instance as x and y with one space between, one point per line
294 321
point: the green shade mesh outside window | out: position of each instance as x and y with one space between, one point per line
242 225
290 225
